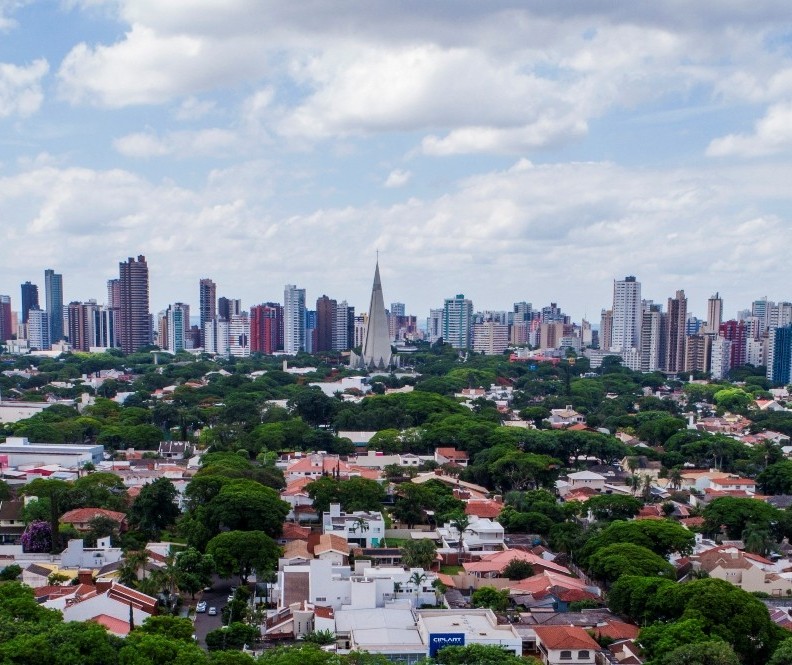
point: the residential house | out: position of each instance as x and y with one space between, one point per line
363 528
174 449
565 645
565 417
11 523
450 456
482 535
80 518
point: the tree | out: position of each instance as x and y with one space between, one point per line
246 505
100 526
353 494
172 627
460 523
662 537
10 573
735 514
56 492
320 637
613 506
193 570
37 537
758 540
488 596
517 570
155 507
417 579
783 654
776 478
664 638
612 561
242 552
712 652
480 654
420 553
234 636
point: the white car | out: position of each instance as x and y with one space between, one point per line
212 611
201 607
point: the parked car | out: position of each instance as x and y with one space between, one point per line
201 607
230 598
212 611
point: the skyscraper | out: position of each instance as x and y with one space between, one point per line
434 324
458 322
178 326
30 299
53 292
82 319
5 318
606 330
737 333
228 307
714 314
676 325
134 317
266 328
293 319
779 356
344 331
376 352
38 330
325 323
207 296
651 329
626 330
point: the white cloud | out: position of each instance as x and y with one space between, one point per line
213 142
194 109
397 178
20 88
772 134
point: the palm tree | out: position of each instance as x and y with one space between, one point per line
460 522
675 478
416 579
757 540
133 563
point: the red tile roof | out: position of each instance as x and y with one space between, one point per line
84 515
485 508
292 531
565 637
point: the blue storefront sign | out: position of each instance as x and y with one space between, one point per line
438 641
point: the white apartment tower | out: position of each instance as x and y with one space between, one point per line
458 322
714 315
626 331
293 319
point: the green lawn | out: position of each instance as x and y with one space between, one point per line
451 570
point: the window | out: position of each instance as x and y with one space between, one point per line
583 655
320 599
566 655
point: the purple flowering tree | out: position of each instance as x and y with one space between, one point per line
37 537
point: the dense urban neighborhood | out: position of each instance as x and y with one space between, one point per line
462 508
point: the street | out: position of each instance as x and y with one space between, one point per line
217 597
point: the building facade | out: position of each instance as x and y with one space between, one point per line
134 316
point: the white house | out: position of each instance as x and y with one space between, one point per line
363 528
482 535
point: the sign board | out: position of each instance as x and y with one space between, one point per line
438 641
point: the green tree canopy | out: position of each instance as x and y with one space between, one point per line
242 552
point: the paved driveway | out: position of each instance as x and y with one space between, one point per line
217 597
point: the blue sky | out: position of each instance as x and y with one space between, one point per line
505 150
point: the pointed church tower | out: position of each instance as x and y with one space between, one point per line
376 352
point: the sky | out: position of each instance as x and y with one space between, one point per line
510 151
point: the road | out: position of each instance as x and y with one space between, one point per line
217 597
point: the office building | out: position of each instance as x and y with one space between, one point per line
266 328
714 315
134 317
675 329
458 322
293 319
207 302
5 319
30 299
626 329
39 330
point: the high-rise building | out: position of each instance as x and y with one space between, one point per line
53 293
310 330
361 323
178 327
397 309
325 323
344 331
675 329
550 335
293 319
779 356
434 324
490 337
626 314
114 293
698 352
207 302
134 316
756 351
30 299
266 328
81 325
761 310
239 335
779 315
720 358
228 307
458 321
736 332
216 339
714 314
39 330
606 330
5 319
553 314
522 312
651 332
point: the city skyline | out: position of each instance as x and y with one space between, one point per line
506 151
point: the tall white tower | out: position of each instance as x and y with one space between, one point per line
626 331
